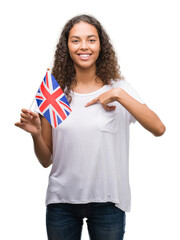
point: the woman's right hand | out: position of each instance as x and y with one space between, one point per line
30 122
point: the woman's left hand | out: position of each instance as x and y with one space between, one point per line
105 98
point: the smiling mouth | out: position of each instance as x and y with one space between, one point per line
84 56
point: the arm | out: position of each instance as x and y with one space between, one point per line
41 133
43 144
146 117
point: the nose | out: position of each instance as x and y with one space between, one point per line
84 45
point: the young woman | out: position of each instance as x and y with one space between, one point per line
89 150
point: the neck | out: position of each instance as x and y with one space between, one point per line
85 76
86 79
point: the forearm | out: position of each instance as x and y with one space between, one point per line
43 153
145 116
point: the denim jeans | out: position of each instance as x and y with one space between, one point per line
105 221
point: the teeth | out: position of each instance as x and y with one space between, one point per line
84 55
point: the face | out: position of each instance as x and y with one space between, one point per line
84 45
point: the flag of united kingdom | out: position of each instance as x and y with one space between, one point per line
52 101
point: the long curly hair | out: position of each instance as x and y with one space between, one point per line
107 67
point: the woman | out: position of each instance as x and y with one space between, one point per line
89 150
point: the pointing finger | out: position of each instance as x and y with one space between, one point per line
95 100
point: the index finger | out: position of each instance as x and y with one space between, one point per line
95 100
27 111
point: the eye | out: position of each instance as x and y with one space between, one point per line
75 41
92 40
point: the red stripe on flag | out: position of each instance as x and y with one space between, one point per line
54 118
39 97
65 105
47 80
51 99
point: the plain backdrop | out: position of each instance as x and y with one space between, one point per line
145 35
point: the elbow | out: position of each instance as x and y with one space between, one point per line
46 165
160 131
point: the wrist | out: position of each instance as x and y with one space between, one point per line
37 134
118 93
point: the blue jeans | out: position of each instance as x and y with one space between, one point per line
105 221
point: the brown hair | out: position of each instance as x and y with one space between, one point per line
107 67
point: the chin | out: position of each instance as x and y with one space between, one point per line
85 65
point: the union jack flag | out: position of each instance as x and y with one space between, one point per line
52 101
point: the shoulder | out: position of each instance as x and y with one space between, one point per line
122 83
126 86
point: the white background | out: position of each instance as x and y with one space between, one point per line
145 35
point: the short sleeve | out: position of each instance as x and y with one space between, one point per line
131 91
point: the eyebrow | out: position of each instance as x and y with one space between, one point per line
89 36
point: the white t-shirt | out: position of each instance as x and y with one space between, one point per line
91 152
